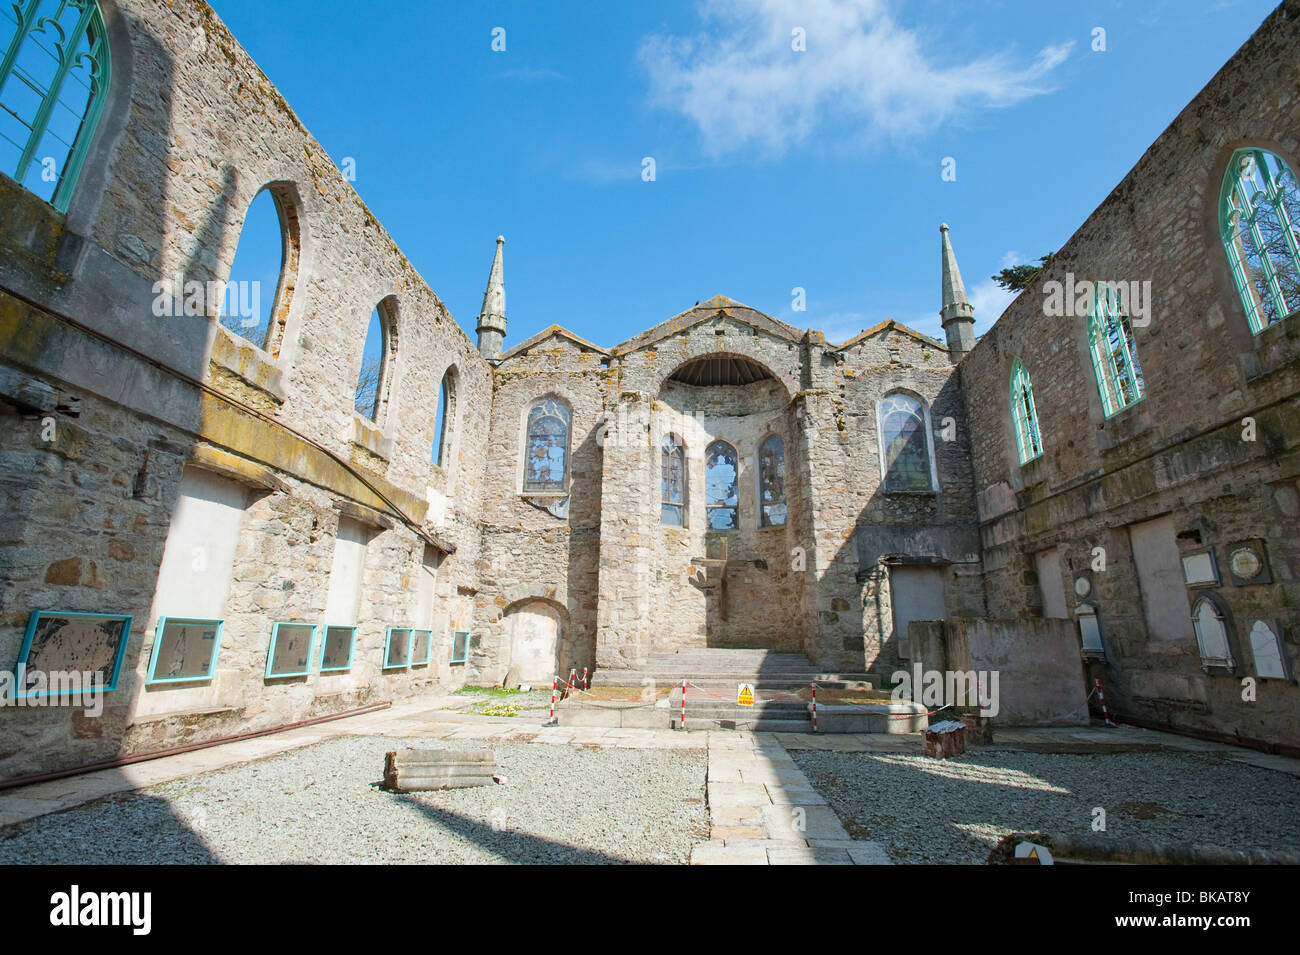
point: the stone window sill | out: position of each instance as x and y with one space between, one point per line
1124 425
772 527
1276 347
1031 473
544 494
367 436
243 360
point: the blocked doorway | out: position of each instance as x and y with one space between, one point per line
534 631
916 594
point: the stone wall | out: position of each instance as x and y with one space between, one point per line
191 132
1180 450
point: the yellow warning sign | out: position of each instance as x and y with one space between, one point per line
745 694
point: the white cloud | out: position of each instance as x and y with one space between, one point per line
989 299
743 86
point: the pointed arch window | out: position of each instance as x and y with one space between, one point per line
376 365
721 486
54 75
1024 414
1211 634
1114 353
906 451
1259 222
771 483
445 417
262 276
546 455
672 512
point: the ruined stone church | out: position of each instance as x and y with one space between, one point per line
239 529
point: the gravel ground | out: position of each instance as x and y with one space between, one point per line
323 804
954 811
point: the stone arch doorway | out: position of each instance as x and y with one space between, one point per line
535 634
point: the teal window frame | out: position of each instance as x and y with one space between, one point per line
460 638
1234 197
388 648
152 677
428 648
20 667
352 648
275 636
68 52
1024 414
1115 364
770 491
673 482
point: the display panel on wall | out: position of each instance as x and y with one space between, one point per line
421 647
290 650
184 650
65 642
460 646
397 648
336 649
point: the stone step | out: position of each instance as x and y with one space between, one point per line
700 724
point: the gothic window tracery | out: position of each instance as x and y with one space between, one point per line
721 480
1259 223
673 481
905 444
771 483
546 452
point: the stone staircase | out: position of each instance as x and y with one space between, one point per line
715 673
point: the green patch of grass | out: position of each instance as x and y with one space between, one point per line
498 709
489 690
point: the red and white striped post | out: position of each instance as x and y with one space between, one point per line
1101 698
555 685
585 684
683 723
814 692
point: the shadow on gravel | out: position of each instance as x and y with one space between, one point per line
122 829
513 846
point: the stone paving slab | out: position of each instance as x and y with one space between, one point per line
807 856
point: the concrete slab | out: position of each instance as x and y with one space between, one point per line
789 821
738 794
717 853
869 853
808 856
795 795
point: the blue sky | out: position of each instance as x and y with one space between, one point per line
775 168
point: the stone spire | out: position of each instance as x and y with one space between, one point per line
956 314
492 319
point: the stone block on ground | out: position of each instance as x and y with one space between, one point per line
416 770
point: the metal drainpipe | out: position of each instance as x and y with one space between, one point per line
187 748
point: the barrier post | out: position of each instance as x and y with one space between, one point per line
1101 698
814 692
683 722
555 685
585 684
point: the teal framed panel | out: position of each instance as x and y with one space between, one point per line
397 648
291 648
460 646
184 650
336 649
421 647
65 642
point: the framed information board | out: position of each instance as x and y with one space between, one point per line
184 650
336 649
290 650
57 641
397 648
421 647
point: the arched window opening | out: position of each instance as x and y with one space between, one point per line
444 421
546 457
54 77
672 511
1211 634
1114 353
1024 414
721 483
1259 222
374 366
771 483
250 298
905 444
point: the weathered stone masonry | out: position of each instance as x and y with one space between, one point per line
587 574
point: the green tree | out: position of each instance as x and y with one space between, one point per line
1020 277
